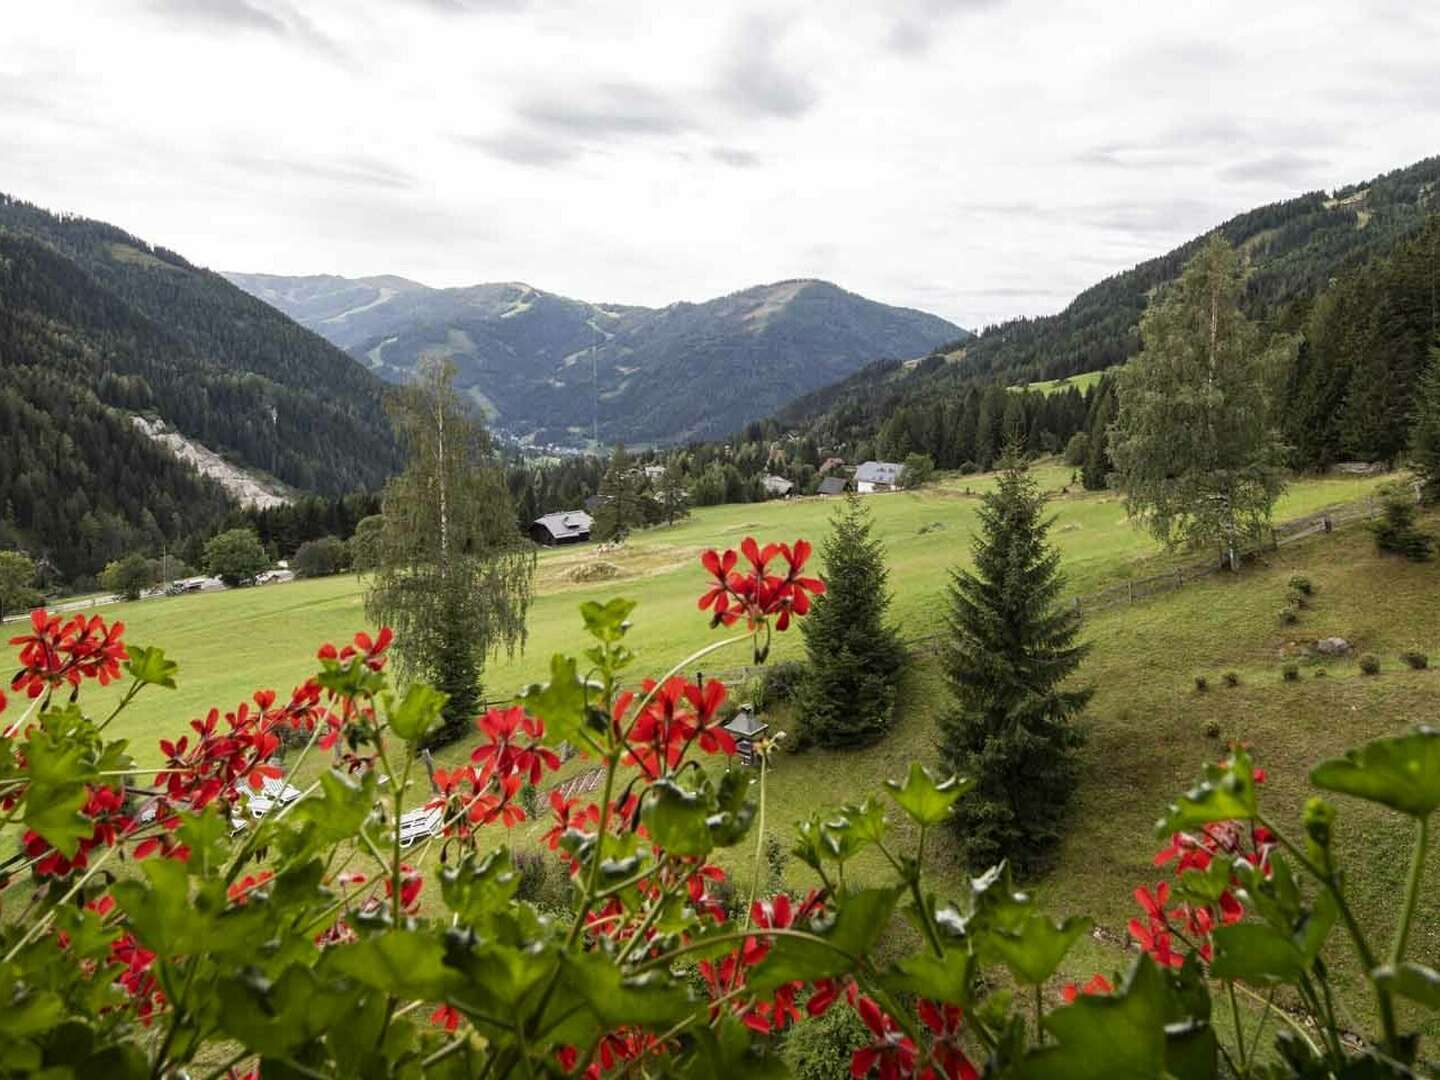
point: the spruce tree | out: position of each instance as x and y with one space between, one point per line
624 504
1011 645
848 693
1096 471
1425 434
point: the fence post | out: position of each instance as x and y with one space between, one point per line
1130 585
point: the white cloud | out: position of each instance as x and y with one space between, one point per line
978 158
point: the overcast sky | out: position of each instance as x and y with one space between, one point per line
976 158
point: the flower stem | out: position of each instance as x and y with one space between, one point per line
1239 1027
1412 890
1383 1001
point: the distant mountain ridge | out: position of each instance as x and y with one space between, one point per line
98 326
547 367
1293 249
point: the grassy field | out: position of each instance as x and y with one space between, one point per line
1147 724
1053 386
231 643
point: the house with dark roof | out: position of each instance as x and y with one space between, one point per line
833 485
873 476
564 527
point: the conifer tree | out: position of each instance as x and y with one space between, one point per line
1095 472
624 505
454 576
1425 435
855 656
1011 647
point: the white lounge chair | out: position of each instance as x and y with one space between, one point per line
420 823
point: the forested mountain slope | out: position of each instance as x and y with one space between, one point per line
1294 248
548 367
95 324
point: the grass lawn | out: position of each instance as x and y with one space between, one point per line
232 642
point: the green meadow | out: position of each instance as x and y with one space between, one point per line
1150 728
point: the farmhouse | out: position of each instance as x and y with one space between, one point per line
777 485
833 485
565 527
877 476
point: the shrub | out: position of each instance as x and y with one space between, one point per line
1202 683
781 682
1077 449
1212 729
821 1048
1370 664
1395 532
968 468
917 471
1289 616
235 557
129 576
320 558
1302 584
1290 672
1232 678
1417 661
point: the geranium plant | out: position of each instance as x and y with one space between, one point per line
151 928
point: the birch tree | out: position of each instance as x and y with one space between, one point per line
1194 443
454 576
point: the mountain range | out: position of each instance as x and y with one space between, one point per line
1293 249
107 343
556 371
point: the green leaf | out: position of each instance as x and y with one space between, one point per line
1256 953
274 1018
926 800
339 812
30 1013
1116 1037
418 712
607 622
148 665
734 808
1226 793
1414 981
1398 771
676 818
1206 886
651 1000
860 920
53 811
400 962
57 769
477 887
161 912
926 975
1034 952
560 702
728 1050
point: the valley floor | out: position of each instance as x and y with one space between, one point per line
1147 724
